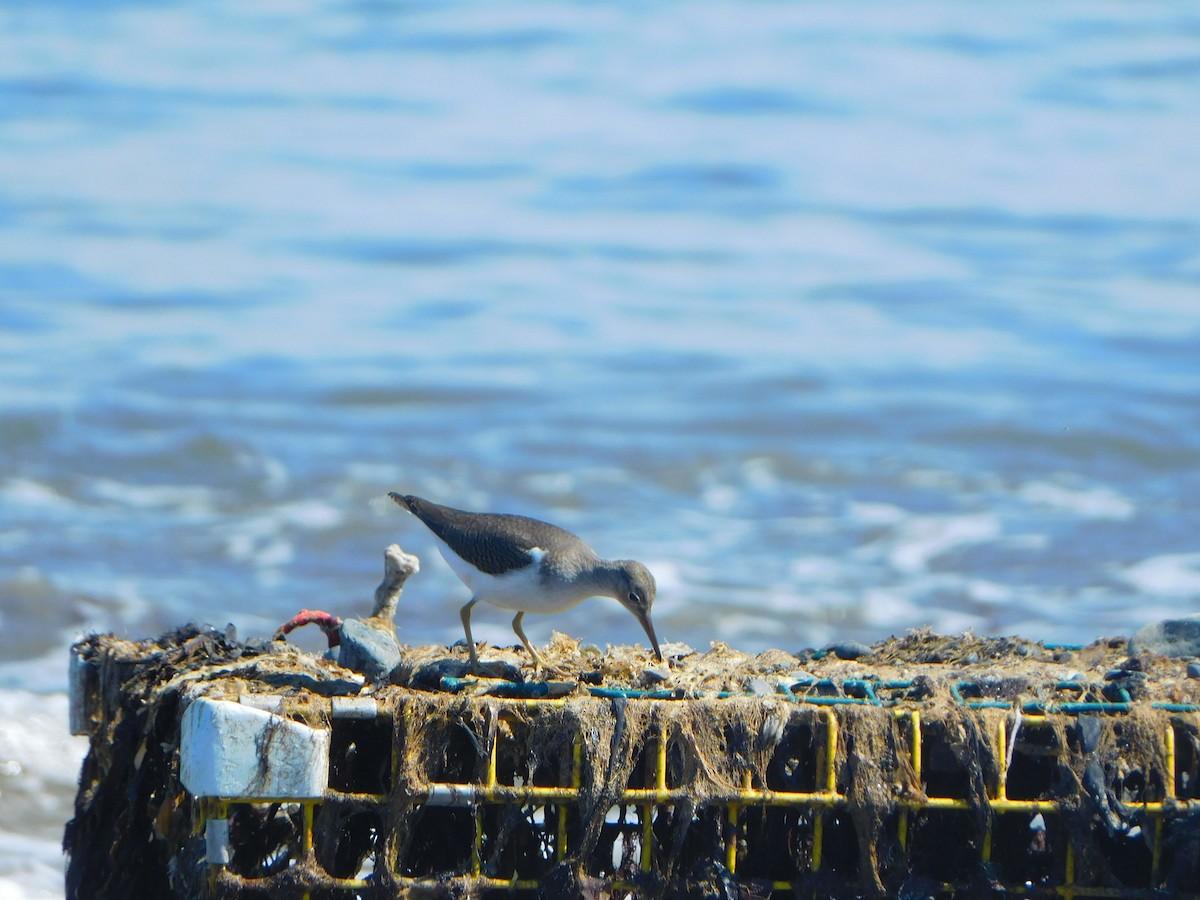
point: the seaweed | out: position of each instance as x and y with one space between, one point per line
659 783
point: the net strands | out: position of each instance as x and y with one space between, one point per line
943 767
664 797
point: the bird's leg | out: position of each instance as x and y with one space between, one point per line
538 662
476 669
524 640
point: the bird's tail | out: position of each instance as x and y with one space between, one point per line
405 500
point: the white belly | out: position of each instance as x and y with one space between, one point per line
519 590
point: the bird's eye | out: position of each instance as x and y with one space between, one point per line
634 598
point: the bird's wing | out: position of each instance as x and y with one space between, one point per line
491 542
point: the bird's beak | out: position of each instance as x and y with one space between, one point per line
649 626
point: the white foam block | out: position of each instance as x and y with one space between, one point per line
235 751
216 842
354 708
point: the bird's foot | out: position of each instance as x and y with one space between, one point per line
543 671
540 666
486 670
327 622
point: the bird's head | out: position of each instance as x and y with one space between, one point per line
634 589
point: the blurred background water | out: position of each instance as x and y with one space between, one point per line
845 319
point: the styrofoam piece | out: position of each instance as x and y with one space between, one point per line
79 671
217 848
272 703
233 751
355 708
451 795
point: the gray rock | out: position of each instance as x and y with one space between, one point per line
1193 670
676 650
1089 730
503 670
429 676
1171 637
760 687
850 649
655 674
370 651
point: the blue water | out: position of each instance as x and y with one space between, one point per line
844 318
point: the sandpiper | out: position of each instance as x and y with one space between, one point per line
515 562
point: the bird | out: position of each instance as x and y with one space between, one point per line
523 564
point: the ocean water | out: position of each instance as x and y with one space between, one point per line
843 318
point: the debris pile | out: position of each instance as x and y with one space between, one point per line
926 766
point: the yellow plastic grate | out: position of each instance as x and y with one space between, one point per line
814 819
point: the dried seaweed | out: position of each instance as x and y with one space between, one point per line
740 722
